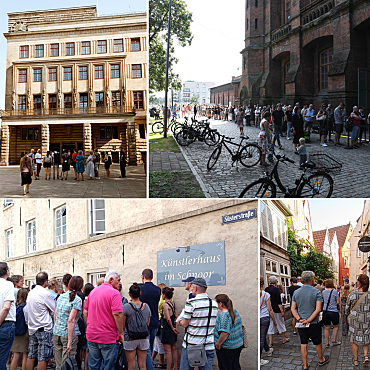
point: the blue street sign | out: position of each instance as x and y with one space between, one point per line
241 216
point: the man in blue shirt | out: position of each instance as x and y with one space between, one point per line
150 294
306 307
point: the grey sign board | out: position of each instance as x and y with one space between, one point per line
203 260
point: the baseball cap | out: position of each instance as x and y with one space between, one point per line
189 279
272 279
200 282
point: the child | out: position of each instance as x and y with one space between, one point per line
302 152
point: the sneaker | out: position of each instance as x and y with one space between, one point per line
264 362
295 333
326 360
323 144
336 343
288 138
270 352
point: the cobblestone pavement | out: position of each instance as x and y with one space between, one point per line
226 181
166 161
133 186
288 356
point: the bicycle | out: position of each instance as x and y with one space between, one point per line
248 154
197 130
158 126
317 185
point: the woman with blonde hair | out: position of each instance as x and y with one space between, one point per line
359 324
344 293
158 346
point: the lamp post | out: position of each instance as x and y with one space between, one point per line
167 66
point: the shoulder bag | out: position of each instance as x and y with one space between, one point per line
324 311
197 353
357 303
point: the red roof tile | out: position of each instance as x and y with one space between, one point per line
319 236
319 239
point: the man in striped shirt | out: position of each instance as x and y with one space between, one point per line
195 318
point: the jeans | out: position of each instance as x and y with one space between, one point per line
149 361
100 352
184 363
7 333
278 130
264 326
228 359
355 132
289 128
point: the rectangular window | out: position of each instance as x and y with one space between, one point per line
21 102
70 48
142 130
85 47
60 226
52 74
138 99
99 99
83 102
67 101
52 101
37 102
54 50
256 3
24 51
114 70
67 73
9 243
94 277
97 217
116 98
136 71
30 134
118 45
256 23
109 132
31 236
99 73
102 46
39 51
83 73
22 76
135 44
37 75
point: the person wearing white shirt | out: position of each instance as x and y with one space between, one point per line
38 159
40 309
7 315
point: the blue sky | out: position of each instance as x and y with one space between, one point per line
334 212
105 7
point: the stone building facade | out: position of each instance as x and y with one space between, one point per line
90 237
226 94
75 80
307 51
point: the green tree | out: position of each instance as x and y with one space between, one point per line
194 100
181 19
153 99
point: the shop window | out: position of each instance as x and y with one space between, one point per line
97 217
9 243
61 226
31 236
326 58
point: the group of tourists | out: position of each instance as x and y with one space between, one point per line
314 306
80 326
32 162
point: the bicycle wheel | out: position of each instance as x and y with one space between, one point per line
212 138
262 188
182 137
213 158
175 126
250 155
318 185
157 127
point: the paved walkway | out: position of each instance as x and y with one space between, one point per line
288 355
133 186
227 181
165 161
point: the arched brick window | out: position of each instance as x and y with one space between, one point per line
326 57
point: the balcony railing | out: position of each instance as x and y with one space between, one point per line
67 111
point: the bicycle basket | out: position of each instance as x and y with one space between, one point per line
326 163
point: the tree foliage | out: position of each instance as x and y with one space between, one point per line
194 100
181 19
311 261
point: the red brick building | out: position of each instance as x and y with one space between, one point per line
306 51
226 94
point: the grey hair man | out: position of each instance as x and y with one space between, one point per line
306 307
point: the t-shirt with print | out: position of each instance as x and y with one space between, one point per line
196 310
264 312
333 300
224 324
306 298
7 295
63 310
101 303
129 312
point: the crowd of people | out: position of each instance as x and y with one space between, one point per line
81 326
31 164
315 306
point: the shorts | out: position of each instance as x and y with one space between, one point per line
56 166
307 125
339 128
47 165
26 178
280 324
313 332
40 346
141 344
158 346
96 166
331 318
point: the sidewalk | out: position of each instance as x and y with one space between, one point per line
288 355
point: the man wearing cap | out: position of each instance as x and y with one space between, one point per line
195 317
278 309
188 283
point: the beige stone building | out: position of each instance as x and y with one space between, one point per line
75 80
90 237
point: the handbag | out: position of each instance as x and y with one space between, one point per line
121 363
357 303
197 353
324 312
245 339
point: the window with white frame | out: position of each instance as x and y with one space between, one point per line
97 217
31 236
8 202
271 266
9 243
94 277
29 283
60 226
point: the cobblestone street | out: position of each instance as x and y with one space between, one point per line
225 181
288 355
133 186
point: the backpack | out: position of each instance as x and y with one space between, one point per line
138 328
69 364
20 323
56 158
47 159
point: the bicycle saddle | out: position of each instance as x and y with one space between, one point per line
244 137
229 138
309 164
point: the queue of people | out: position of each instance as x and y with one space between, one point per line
83 326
